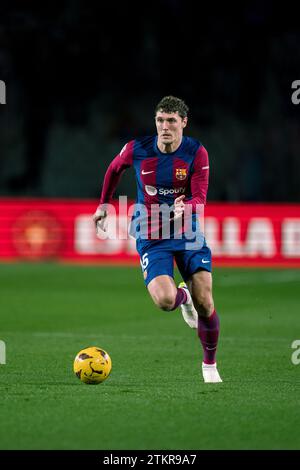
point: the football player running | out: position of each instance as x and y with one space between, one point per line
172 171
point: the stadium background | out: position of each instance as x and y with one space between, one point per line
81 80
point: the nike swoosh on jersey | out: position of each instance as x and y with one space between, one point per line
147 172
205 260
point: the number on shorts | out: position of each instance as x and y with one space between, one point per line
144 261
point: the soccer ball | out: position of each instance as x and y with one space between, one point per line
92 365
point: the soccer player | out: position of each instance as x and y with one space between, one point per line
171 171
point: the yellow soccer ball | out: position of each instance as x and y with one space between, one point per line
92 365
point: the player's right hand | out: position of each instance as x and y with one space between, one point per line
100 221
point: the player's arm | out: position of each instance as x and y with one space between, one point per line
199 183
111 179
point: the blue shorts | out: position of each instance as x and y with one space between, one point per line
157 258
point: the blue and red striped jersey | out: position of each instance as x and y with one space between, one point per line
161 177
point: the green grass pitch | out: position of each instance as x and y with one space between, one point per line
155 397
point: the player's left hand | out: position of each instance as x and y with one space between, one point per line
179 206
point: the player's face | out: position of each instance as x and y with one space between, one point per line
169 127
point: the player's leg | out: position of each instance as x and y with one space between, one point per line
158 271
165 294
195 268
200 286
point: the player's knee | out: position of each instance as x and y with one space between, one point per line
204 304
165 302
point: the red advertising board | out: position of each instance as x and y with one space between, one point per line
238 234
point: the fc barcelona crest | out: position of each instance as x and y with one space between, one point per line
181 173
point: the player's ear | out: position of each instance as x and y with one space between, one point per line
184 122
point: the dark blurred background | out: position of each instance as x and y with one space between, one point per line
82 78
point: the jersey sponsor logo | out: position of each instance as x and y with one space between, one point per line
181 173
147 172
152 191
166 192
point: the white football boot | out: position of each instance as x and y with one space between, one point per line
188 310
210 373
